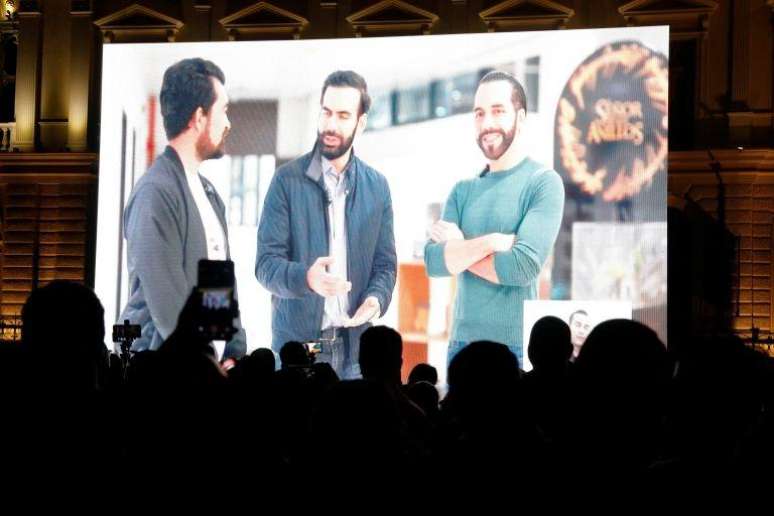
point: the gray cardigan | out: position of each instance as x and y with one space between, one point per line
293 233
165 241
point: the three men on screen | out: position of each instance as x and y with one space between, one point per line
326 248
498 228
174 216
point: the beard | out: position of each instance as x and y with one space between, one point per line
336 151
208 149
494 152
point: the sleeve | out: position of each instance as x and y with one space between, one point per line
435 263
536 234
155 250
385 263
273 268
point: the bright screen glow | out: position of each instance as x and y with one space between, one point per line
596 113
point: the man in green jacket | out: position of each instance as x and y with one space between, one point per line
499 227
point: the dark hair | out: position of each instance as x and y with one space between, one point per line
350 79
549 343
577 312
423 372
381 352
186 87
518 97
294 354
61 311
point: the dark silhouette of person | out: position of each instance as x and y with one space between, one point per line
622 378
254 371
423 372
484 429
549 346
547 386
63 334
425 396
421 389
61 412
381 358
294 354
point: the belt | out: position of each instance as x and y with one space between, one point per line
331 334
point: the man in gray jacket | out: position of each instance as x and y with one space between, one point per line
174 216
326 248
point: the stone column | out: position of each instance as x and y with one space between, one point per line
28 76
81 51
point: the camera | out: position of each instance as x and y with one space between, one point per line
126 333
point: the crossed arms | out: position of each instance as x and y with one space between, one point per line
475 254
502 259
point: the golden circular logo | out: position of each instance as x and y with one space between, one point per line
611 121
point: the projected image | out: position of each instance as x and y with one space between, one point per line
435 184
580 316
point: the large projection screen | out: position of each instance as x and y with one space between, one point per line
597 114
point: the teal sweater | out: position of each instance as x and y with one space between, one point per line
526 200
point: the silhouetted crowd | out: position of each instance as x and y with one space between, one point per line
628 419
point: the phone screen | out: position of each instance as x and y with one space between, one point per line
216 298
218 306
313 347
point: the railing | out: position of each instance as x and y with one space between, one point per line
7 130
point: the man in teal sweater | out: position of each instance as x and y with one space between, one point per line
498 228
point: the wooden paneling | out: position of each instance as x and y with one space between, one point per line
46 204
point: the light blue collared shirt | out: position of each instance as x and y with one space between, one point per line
336 307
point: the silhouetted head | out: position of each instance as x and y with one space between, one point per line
549 344
255 369
381 354
63 331
423 373
483 376
263 361
623 354
425 395
63 311
294 354
623 372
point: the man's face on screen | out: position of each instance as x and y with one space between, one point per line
212 141
495 118
338 121
580 326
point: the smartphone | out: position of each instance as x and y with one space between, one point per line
215 285
313 348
